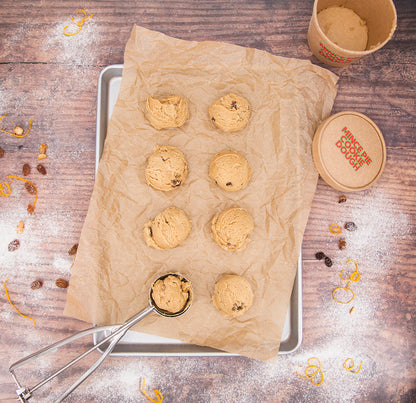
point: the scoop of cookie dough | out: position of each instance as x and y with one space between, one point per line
344 27
230 170
171 294
166 168
167 112
168 229
230 113
233 295
230 228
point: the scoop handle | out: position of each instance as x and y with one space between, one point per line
24 394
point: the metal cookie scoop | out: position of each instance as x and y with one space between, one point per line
117 332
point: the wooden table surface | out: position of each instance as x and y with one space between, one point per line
53 78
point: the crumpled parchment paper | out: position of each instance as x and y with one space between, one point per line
114 268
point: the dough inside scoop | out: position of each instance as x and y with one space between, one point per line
171 294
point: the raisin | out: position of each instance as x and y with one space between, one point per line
234 105
150 231
228 184
30 209
328 261
73 250
350 226
13 245
237 307
29 187
20 147
61 283
342 244
26 169
342 199
213 119
175 183
36 284
320 255
1 153
41 169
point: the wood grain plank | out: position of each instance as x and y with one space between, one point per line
52 78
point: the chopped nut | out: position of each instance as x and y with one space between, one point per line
73 250
20 226
18 130
36 284
42 148
342 244
26 169
13 245
1 153
41 156
61 283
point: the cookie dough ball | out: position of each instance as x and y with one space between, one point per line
230 170
166 168
344 27
233 295
230 113
230 228
171 294
167 112
168 229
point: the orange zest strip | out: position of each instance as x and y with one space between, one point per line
11 303
66 26
346 289
14 134
2 192
159 395
79 23
321 381
335 229
354 276
310 375
350 367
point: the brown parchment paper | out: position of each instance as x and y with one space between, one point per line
114 268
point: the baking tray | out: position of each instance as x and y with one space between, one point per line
140 344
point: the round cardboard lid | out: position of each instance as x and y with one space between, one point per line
349 151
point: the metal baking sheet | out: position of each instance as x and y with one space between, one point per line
140 344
